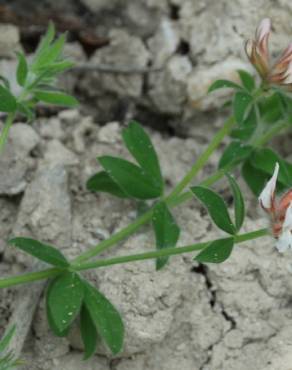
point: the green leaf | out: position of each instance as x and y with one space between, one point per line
43 252
271 108
245 129
5 81
56 98
4 343
59 67
241 103
216 207
106 318
46 40
260 167
51 53
265 160
223 84
55 329
166 230
216 252
255 178
104 183
22 69
140 146
7 100
64 299
234 153
130 178
88 333
239 208
247 80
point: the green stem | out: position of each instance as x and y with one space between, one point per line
120 235
29 277
5 131
203 159
34 276
164 252
146 217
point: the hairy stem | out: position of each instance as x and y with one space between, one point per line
203 158
165 252
34 276
267 136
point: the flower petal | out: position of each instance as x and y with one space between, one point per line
267 196
288 218
285 241
263 29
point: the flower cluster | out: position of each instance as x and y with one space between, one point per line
280 212
279 73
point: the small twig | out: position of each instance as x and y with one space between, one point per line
106 68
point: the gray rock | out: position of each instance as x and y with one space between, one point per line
124 51
201 79
45 212
15 160
57 154
9 40
168 89
165 41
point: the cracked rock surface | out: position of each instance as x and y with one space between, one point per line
232 316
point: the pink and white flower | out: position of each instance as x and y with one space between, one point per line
280 212
279 73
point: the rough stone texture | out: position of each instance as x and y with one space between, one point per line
167 90
45 210
231 316
9 40
197 92
114 55
15 161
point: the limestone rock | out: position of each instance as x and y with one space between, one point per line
125 51
15 160
9 40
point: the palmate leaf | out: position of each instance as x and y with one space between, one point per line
130 178
52 52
